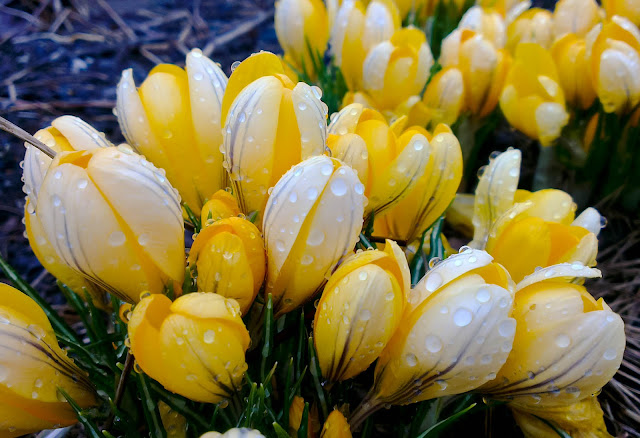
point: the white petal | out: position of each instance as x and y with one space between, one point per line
311 113
567 271
80 135
346 120
375 66
590 219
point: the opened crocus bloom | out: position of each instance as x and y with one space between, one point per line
359 311
173 119
270 125
33 368
487 22
484 68
229 258
524 230
614 51
395 160
194 346
567 347
313 218
532 100
397 69
356 30
433 193
112 216
302 28
66 134
455 335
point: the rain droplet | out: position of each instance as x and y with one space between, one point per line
339 187
563 341
462 317
365 315
507 328
610 354
362 275
411 359
293 197
316 237
483 295
433 343
209 336
302 106
117 238
306 260
56 200
82 183
312 193
143 239
434 281
443 384
280 245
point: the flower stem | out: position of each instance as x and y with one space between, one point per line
367 407
17 131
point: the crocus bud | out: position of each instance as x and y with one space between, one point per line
623 8
33 367
532 100
398 68
583 419
220 206
359 311
534 25
336 426
395 162
113 217
567 345
236 432
194 346
229 259
486 22
614 50
271 125
575 16
569 54
455 334
443 99
295 418
433 193
302 28
313 218
356 30
173 119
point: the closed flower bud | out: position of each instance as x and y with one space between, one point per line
614 51
455 334
230 260
113 217
302 28
487 22
484 68
356 30
567 345
534 25
336 426
583 419
569 54
532 99
623 8
32 368
220 206
443 99
395 162
173 119
194 346
398 68
174 424
575 16
295 418
313 218
359 311
433 193
270 125
236 432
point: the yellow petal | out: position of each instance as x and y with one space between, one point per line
336 426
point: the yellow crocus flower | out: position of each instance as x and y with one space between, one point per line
567 345
455 334
433 193
569 54
313 218
532 99
194 346
302 28
359 311
271 124
487 22
356 30
398 68
614 52
32 368
395 162
295 418
220 206
336 426
113 217
484 68
229 258
443 100
628 9
173 119
575 16
534 25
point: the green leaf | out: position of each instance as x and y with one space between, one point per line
280 432
179 404
304 422
435 242
268 336
193 219
438 427
316 373
417 267
90 428
150 407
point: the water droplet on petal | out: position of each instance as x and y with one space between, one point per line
433 343
563 341
117 238
462 317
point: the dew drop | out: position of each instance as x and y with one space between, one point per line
362 275
209 336
312 193
339 187
280 245
117 238
56 200
434 281
306 260
563 341
293 197
82 183
507 328
610 354
483 295
462 317
443 384
316 237
433 343
411 359
365 315
143 239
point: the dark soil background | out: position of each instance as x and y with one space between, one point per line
65 57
